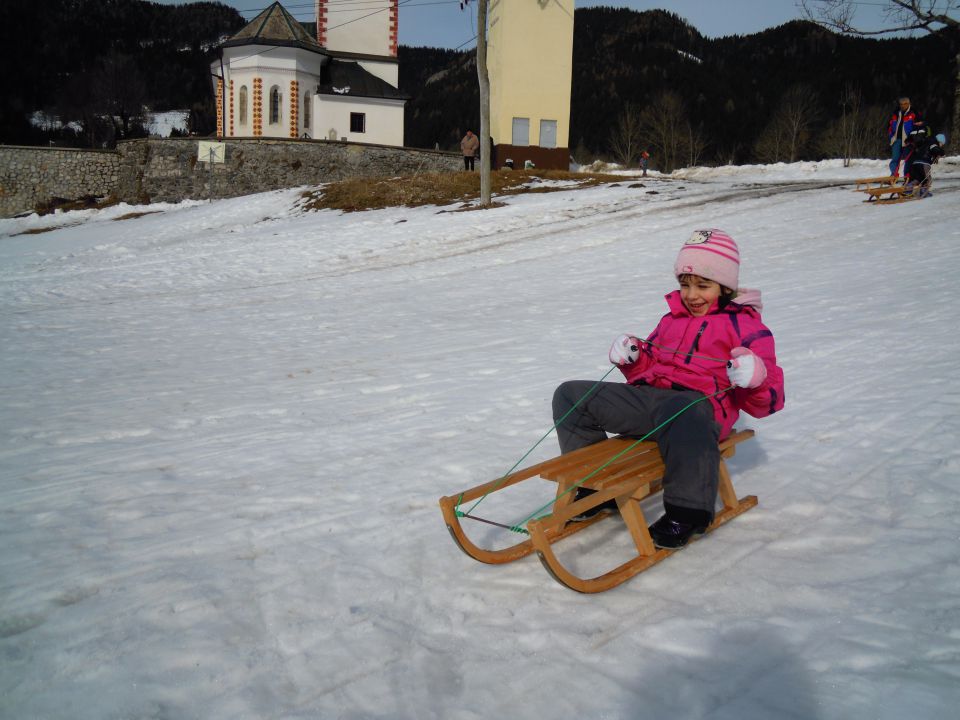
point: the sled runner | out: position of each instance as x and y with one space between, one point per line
888 195
618 468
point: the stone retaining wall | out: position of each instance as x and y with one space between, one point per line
33 176
168 170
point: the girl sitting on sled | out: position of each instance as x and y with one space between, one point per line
710 357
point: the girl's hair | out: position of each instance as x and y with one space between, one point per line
726 294
724 290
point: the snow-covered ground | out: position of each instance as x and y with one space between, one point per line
225 427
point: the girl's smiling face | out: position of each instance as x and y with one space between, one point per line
699 294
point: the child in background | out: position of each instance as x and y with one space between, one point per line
712 343
926 153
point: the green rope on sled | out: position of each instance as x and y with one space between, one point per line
518 528
685 354
527 453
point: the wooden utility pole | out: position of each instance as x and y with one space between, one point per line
484 78
486 147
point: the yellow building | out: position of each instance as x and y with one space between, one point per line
530 63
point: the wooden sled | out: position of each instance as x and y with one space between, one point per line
875 182
629 478
884 190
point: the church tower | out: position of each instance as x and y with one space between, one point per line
530 64
358 28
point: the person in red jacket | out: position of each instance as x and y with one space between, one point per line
709 357
898 130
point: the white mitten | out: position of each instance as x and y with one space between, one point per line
745 368
625 350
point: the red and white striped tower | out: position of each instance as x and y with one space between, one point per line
359 29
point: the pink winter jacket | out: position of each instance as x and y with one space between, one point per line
681 342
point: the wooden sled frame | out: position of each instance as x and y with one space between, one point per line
884 190
894 194
864 184
629 479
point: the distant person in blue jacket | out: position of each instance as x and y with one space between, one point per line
898 130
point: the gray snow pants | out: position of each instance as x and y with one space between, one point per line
688 444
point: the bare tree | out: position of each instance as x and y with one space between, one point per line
848 126
117 90
771 145
665 129
801 107
789 131
901 16
626 138
696 143
853 133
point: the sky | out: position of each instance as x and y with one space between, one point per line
225 428
441 23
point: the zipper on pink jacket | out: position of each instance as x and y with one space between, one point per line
696 343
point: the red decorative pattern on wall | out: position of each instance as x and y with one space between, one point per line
394 26
294 107
322 22
219 107
231 108
257 107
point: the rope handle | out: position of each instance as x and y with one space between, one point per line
498 485
527 453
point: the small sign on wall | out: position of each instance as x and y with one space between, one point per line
211 152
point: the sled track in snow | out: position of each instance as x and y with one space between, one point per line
592 216
617 213
669 199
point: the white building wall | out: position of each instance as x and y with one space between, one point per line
278 67
384 119
242 65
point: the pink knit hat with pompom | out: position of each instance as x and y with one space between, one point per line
711 254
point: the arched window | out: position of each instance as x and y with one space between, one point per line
243 104
306 111
274 105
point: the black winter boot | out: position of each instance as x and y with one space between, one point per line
583 492
678 525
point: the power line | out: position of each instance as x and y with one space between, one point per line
353 3
383 8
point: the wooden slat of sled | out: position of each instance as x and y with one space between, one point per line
886 180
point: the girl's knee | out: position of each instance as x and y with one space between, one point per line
565 396
561 393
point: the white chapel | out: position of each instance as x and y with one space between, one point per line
277 81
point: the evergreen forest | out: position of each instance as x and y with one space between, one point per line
641 80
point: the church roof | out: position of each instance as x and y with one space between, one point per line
345 78
275 26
